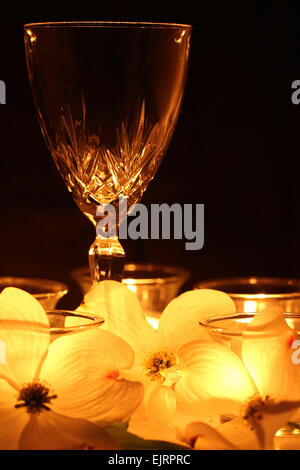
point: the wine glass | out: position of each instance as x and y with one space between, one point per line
108 95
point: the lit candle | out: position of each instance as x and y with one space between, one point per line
259 294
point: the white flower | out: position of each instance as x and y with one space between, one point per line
259 388
160 356
51 395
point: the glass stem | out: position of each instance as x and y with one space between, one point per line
106 259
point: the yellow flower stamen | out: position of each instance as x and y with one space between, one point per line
157 362
35 397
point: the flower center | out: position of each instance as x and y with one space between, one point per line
157 363
35 397
253 408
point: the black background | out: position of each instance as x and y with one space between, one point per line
235 148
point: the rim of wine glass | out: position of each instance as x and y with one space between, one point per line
107 24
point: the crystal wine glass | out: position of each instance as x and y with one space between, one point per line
108 95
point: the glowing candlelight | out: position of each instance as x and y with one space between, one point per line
259 294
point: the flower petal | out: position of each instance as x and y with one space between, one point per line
24 331
12 420
233 434
161 404
122 313
239 433
267 354
51 431
179 321
146 427
83 370
203 436
20 298
273 417
150 429
214 380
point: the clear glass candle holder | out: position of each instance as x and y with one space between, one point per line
65 322
155 285
46 291
228 330
257 294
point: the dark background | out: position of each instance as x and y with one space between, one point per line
236 147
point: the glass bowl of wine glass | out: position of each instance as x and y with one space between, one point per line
108 96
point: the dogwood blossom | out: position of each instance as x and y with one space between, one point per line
257 389
51 393
158 364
